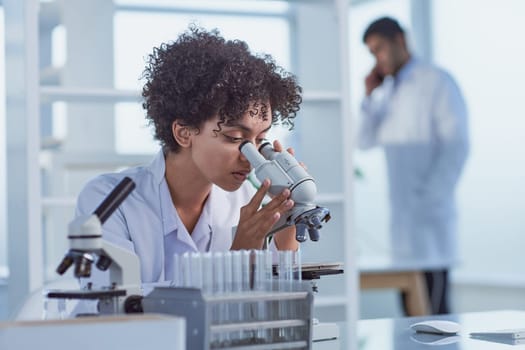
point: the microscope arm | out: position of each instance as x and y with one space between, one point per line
86 242
125 267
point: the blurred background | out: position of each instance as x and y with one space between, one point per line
70 109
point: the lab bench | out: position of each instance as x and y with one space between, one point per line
395 333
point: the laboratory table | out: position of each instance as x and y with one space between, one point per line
405 275
395 334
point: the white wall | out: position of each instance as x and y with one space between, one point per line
485 53
3 227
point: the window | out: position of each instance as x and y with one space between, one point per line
150 29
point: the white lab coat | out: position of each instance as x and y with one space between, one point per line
420 119
147 222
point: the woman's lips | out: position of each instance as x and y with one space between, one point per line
240 176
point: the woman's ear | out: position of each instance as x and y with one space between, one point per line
181 134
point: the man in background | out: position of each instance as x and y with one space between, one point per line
416 113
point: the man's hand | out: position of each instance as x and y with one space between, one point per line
373 80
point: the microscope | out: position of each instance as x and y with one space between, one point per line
87 247
285 172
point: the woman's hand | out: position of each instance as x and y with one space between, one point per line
279 148
255 223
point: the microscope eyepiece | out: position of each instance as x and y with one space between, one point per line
242 144
265 144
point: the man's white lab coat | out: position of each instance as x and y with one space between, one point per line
420 119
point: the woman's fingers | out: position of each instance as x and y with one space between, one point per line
255 223
257 199
277 146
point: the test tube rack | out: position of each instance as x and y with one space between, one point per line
270 318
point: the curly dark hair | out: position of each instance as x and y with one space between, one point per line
202 75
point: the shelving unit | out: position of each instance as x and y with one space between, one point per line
325 144
323 132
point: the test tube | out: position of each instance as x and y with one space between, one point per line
246 271
186 277
218 289
228 288
297 278
206 260
236 271
271 306
286 268
297 265
218 272
268 270
247 284
227 272
259 310
196 270
285 285
207 272
176 279
257 265
236 309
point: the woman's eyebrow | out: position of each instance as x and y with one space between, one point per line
245 128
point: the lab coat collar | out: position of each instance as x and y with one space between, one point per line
406 70
172 225
168 211
202 235
170 219
202 232
157 167
200 239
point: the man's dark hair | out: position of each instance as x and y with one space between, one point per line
386 27
202 75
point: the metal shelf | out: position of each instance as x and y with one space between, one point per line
321 96
49 202
50 93
75 94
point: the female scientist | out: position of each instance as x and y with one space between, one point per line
204 95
